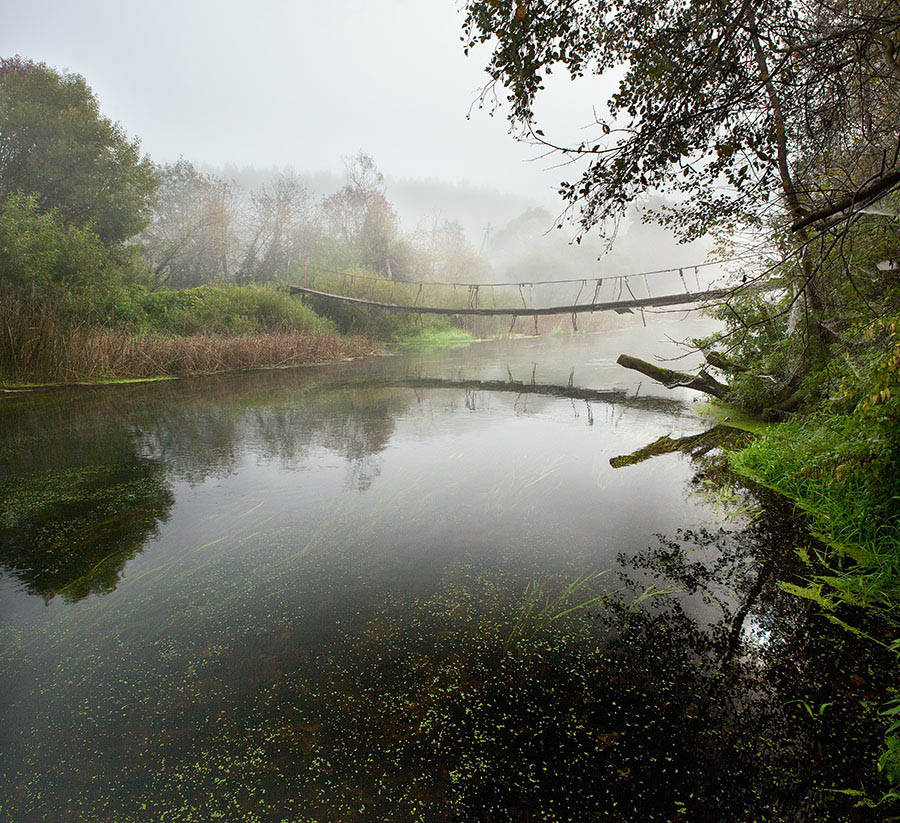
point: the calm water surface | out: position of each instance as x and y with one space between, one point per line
397 589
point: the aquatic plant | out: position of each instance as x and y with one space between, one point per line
541 606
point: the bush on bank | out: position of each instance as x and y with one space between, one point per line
221 310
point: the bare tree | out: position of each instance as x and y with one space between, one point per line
278 231
360 216
192 232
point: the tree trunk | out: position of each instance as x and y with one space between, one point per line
719 361
671 379
817 334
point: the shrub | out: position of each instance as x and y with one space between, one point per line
223 310
382 324
39 253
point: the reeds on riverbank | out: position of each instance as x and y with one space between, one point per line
39 344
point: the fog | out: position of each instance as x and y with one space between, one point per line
248 91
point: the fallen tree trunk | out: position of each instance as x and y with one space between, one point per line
671 379
695 445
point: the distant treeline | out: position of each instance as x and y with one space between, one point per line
95 236
208 228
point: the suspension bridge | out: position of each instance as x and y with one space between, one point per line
620 293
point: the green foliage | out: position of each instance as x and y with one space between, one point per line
889 762
377 323
877 382
37 250
542 606
41 254
222 310
710 104
756 339
72 188
381 324
840 464
191 238
55 143
844 473
360 216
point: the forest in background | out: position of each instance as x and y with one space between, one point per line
114 266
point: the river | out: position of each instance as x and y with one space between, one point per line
408 588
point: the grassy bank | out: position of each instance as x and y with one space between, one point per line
160 334
848 484
144 334
843 473
436 338
838 460
836 457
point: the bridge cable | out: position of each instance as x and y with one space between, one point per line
552 282
634 297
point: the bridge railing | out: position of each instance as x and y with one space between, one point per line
524 296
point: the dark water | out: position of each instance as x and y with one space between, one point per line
398 589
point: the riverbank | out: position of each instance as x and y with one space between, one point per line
114 356
190 332
838 472
164 334
843 480
187 356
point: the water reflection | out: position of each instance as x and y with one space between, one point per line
313 580
87 479
86 474
71 532
641 712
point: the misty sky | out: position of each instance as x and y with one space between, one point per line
277 82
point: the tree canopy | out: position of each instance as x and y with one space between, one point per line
57 146
736 107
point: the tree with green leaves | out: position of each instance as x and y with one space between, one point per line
56 146
39 253
733 106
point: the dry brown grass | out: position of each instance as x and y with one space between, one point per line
37 347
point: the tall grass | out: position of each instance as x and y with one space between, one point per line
845 475
44 342
541 606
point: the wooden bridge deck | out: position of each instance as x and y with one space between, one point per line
684 298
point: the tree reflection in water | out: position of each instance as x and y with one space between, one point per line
85 479
732 702
70 532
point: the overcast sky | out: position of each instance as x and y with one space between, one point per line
299 82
